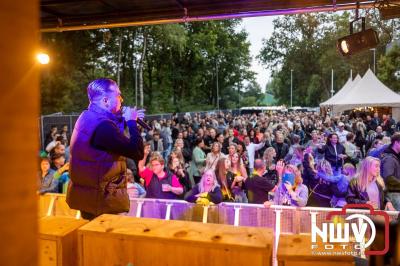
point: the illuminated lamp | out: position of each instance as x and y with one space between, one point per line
357 42
43 58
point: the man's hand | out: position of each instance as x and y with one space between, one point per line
166 187
132 113
267 204
147 150
280 165
389 207
288 186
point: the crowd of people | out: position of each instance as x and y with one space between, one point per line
294 159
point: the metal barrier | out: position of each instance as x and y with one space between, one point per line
60 119
283 219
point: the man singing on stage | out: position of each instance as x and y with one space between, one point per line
98 150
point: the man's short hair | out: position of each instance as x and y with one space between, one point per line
156 156
259 164
349 136
395 137
56 156
99 87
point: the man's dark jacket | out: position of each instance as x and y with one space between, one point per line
98 181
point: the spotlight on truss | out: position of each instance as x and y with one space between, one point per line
357 42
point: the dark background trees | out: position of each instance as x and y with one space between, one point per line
176 67
306 44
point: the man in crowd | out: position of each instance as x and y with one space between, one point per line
158 183
390 169
341 132
280 146
98 152
259 184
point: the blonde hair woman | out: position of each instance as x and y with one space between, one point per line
208 188
269 157
240 174
213 156
292 194
327 189
368 186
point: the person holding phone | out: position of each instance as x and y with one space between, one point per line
159 184
291 191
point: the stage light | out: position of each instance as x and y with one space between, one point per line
357 42
43 58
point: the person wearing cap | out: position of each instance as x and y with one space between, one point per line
341 132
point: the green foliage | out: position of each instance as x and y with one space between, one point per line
180 66
306 44
389 68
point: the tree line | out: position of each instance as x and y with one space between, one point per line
190 66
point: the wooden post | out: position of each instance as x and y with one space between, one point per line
19 146
122 240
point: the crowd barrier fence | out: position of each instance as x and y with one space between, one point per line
282 219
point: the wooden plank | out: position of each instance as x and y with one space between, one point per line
296 250
189 231
54 227
119 240
44 202
19 134
61 207
47 252
58 240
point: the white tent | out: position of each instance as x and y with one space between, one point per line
342 92
369 91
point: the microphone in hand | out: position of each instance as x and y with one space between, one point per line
136 115
143 124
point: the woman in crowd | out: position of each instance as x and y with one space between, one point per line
244 158
269 157
47 182
225 178
349 171
243 133
240 172
377 148
213 156
334 152
291 194
314 142
207 190
252 135
176 167
309 171
360 129
176 153
322 194
297 157
197 165
180 146
368 186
